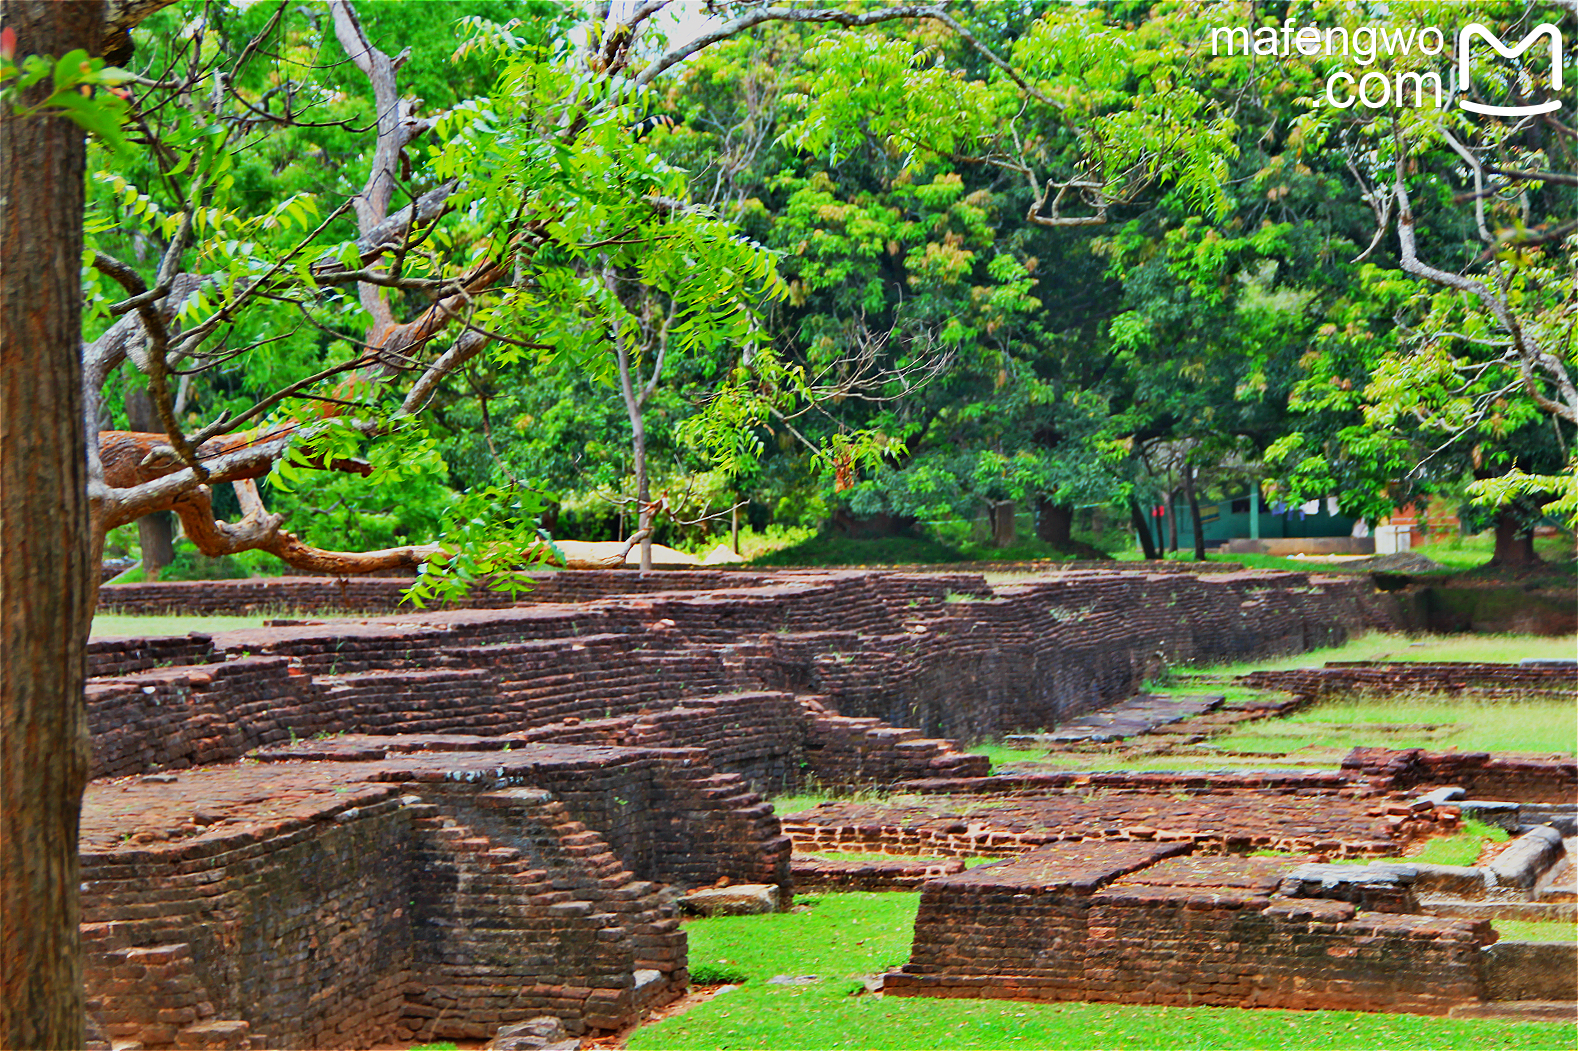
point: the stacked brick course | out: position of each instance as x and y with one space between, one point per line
1518 778
879 872
380 594
876 645
1358 677
333 904
466 814
1224 821
1117 923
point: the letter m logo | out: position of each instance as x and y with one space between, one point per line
1465 40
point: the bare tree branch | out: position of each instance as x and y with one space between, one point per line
849 19
1559 178
1529 355
1479 181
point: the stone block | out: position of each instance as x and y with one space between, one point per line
742 899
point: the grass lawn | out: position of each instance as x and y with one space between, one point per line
1536 930
1381 646
1466 725
830 549
1002 757
1455 554
843 936
849 855
115 624
1471 552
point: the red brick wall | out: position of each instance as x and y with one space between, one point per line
1492 680
1110 923
1516 778
369 913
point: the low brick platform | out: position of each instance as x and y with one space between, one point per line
1229 821
1338 678
877 873
1137 923
1518 778
428 896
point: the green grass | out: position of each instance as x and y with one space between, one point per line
1470 552
754 545
115 624
837 936
830 549
811 795
1480 726
1040 760
1291 565
799 801
1454 554
1380 646
1462 848
847 935
847 855
827 1016
1028 549
1536 930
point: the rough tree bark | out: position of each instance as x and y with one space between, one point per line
1002 514
155 532
1172 519
635 406
1055 526
1055 523
1194 513
1514 540
1143 528
49 573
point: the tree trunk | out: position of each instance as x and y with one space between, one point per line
1143 528
1002 515
634 403
643 495
1172 519
155 532
1514 541
48 577
1055 524
1194 513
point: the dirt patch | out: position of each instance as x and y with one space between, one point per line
699 994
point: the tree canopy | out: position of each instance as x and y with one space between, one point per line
854 264
438 287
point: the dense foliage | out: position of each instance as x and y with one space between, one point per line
1026 255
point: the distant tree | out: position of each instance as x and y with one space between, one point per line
1454 353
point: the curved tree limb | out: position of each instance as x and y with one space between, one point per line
849 19
1529 354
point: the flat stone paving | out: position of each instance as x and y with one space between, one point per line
1130 718
1079 867
1260 875
1232 820
265 799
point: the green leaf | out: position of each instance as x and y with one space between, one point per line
69 71
90 116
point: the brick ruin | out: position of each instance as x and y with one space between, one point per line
427 826
1147 923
